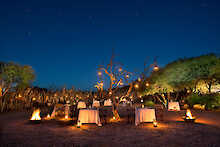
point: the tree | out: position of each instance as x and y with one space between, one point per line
185 74
117 77
14 76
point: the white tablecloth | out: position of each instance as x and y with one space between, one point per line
81 105
107 102
96 104
144 115
89 116
174 106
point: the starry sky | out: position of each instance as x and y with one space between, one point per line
65 40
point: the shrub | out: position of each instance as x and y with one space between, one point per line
149 103
211 101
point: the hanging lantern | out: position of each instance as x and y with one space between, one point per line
136 86
120 69
147 84
99 73
156 68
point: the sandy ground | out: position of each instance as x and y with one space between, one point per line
15 130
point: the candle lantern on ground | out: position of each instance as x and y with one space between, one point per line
78 124
154 123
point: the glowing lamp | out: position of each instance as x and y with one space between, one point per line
136 86
154 123
78 124
99 73
120 69
156 68
147 84
139 79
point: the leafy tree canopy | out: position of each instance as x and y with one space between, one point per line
16 75
185 73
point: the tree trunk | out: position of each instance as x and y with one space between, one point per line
210 87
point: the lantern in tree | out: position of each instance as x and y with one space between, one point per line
99 73
156 68
120 69
147 84
136 86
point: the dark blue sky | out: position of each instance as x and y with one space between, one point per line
65 40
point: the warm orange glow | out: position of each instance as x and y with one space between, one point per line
79 124
136 86
139 79
189 114
48 116
66 116
156 68
127 76
36 115
110 93
154 123
120 69
147 84
99 73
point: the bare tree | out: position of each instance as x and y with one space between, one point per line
117 77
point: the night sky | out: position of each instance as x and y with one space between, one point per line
65 40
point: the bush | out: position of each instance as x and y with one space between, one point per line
149 103
211 101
